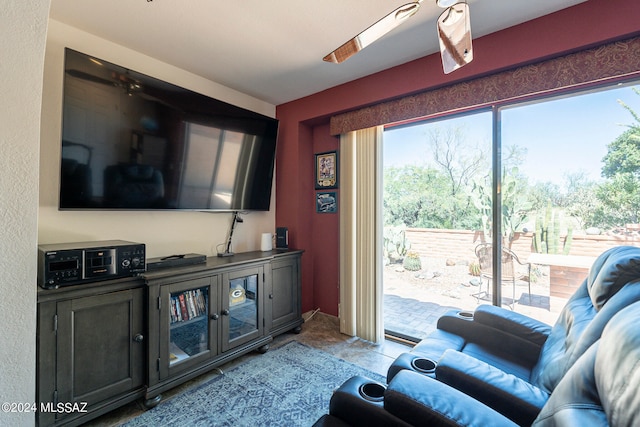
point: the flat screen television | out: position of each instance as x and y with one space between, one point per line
133 142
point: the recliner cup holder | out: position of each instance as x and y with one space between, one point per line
372 392
467 315
423 365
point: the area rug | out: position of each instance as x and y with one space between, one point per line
288 386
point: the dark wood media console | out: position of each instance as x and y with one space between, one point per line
107 343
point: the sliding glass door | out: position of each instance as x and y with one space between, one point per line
437 209
576 160
568 187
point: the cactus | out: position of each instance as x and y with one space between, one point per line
515 206
395 244
474 268
567 241
412 261
547 238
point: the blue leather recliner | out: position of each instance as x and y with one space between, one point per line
600 389
512 363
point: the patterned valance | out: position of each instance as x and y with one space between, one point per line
592 66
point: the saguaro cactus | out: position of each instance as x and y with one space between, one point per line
547 239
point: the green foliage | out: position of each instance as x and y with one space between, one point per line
419 197
619 201
536 273
482 199
455 191
474 268
619 196
581 201
623 154
515 204
412 261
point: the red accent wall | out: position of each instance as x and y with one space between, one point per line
304 123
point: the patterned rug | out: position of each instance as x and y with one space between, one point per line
288 386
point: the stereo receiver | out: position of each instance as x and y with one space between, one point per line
66 264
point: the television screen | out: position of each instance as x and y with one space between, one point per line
130 141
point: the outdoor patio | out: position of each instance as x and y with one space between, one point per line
414 300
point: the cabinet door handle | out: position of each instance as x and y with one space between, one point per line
225 312
138 338
215 316
270 296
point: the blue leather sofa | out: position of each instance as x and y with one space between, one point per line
600 389
510 362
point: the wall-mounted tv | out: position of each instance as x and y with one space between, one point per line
133 142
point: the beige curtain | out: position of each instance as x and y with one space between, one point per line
361 234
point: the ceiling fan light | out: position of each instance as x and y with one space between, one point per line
454 34
446 3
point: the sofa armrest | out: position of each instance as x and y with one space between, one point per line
355 409
458 322
516 324
516 337
421 400
509 395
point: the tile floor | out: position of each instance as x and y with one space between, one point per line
320 331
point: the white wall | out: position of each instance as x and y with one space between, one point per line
23 27
164 233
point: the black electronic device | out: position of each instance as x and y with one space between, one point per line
65 264
175 261
282 238
133 142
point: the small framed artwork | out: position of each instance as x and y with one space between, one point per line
326 202
327 170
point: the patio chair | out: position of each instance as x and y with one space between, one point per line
484 252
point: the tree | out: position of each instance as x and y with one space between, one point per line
619 196
623 154
412 194
620 201
459 161
581 201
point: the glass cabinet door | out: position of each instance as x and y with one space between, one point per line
242 312
191 328
189 323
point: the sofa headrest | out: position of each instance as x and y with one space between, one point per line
617 368
613 269
601 387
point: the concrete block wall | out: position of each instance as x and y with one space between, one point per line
460 244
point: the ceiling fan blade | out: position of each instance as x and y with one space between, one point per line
454 33
373 33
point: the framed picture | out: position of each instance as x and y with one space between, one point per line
327 170
326 202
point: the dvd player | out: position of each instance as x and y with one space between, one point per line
175 261
67 264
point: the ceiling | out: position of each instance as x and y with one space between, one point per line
273 50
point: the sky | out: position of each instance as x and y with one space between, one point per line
561 135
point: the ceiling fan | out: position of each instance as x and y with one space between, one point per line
126 83
454 33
